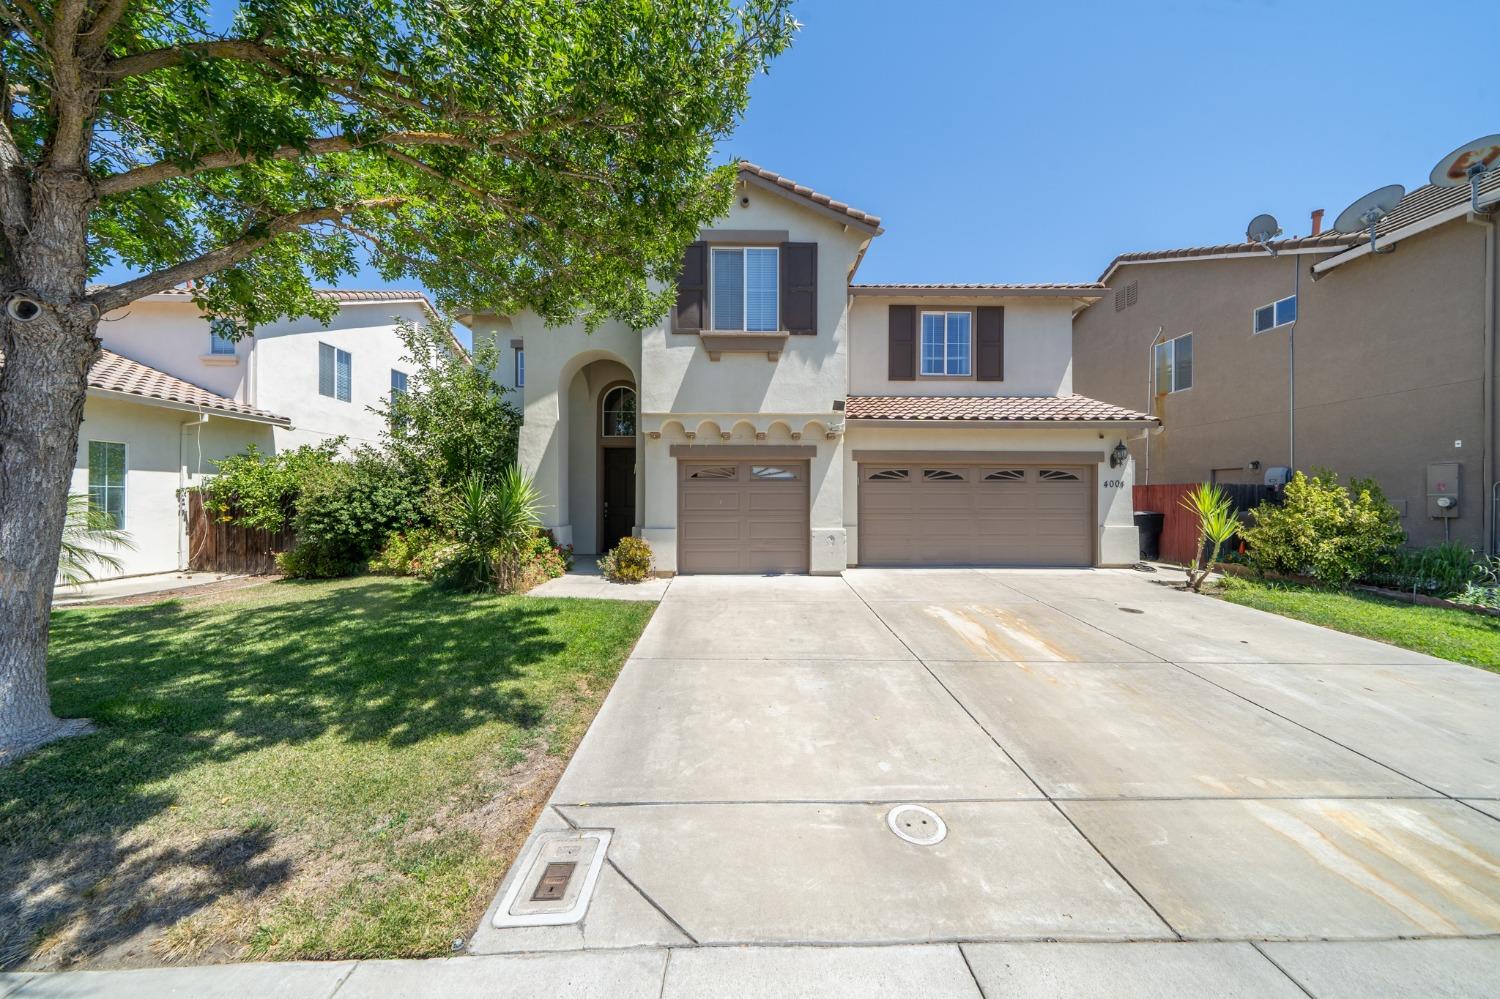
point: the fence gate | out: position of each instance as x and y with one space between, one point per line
214 546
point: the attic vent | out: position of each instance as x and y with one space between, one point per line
1131 291
1119 299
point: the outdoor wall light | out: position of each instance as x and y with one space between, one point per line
1119 456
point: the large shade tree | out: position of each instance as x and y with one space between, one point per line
547 154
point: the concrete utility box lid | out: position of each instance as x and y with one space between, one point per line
556 879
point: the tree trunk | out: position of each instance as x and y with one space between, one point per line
42 390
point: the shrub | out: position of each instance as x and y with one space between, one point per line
351 507
630 561
406 552
261 490
541 559
314 560
1333 533
1437 570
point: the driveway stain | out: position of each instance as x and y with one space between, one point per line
998 633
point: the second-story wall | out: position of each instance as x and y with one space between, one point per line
1038 347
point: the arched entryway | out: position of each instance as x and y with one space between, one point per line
618 425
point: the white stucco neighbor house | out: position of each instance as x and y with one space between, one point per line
169 397
787 419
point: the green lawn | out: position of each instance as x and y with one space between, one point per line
1437 631
314 770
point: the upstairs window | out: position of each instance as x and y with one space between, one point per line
746 288
398 383
220 337
1278 313
520 367
1174 364
947 344
335 373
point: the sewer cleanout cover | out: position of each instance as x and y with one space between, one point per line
555 879
916 824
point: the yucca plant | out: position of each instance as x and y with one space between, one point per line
491 524
85 532
1217 523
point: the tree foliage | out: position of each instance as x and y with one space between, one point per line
455 420
1335 533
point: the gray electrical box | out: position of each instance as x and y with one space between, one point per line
1442 489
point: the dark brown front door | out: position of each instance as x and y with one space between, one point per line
619 495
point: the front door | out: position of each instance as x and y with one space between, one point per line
618 496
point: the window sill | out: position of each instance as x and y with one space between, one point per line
721 342
220 360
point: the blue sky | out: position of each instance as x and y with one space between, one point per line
1009 142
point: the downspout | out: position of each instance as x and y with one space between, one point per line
182 481
1291 367
1150 404
1487 447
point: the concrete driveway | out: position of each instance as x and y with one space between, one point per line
1114 761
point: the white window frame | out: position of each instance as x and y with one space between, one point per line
405 381
124 480
604 412
1274 307
338 354
921 348
1171 346
713 258
520 367
218 344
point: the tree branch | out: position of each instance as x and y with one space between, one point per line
120 295
156 173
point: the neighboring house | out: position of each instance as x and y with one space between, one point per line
145 436
783 419
1394 360
169 397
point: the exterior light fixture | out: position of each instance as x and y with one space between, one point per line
1119 456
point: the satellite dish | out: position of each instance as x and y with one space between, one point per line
1467 165
1262 229
1365 214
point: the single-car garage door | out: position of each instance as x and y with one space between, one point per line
937 513
742 516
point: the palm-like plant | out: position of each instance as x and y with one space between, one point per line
1217 523
492 524
85 532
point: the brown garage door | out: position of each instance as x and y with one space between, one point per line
935 513
742 516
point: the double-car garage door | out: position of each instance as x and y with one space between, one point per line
935 512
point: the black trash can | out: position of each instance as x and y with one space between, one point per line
1149 526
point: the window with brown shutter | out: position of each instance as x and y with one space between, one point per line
799 288
692 290
989 343
902 344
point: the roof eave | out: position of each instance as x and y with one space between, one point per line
754 179
1080 292
188 407
1390 239
1145 421
1175 257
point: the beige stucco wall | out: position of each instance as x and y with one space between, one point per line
1389 363
157 466
1117 540
1038 347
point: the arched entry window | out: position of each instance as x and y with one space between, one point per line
618 412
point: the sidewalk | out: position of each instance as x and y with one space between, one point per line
133 586
1455 969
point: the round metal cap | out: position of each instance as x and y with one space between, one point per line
916 824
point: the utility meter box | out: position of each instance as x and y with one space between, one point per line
1442 489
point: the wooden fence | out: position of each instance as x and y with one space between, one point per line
218 547
1179 534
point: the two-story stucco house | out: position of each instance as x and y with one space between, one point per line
785 419
169 397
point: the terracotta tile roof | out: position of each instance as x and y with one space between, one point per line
1091 289
1007 408
803 191
116 373
341 295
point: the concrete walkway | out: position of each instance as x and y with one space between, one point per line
132 586
585 580
1146 794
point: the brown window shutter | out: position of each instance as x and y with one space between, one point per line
902 363
692 290
989 343
799 288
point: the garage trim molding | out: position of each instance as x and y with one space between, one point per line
745 452
983 457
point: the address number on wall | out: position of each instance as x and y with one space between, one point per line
1114 483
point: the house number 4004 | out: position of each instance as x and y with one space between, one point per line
1114 483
